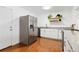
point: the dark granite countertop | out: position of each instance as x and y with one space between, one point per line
60 28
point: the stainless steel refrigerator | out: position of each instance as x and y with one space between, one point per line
28 29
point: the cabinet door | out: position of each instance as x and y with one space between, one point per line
43 32
67 47
68 38
59 36
35 27
73 38
5 22
50 33
76 41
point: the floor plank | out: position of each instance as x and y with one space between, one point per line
41 45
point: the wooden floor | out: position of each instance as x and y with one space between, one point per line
41 45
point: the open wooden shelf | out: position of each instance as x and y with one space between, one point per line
55 20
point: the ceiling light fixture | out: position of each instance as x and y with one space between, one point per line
46 7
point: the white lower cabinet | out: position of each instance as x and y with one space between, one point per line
51 33
59 35
67 46
73 38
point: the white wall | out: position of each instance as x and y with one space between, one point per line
5 34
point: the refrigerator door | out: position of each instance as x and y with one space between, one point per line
27 29
31 30
35 28
24 30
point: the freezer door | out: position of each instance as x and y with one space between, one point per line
35 28
24 30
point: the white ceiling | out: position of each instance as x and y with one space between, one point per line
39 10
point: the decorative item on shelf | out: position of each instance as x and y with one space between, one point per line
59 16
55 19
49 17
